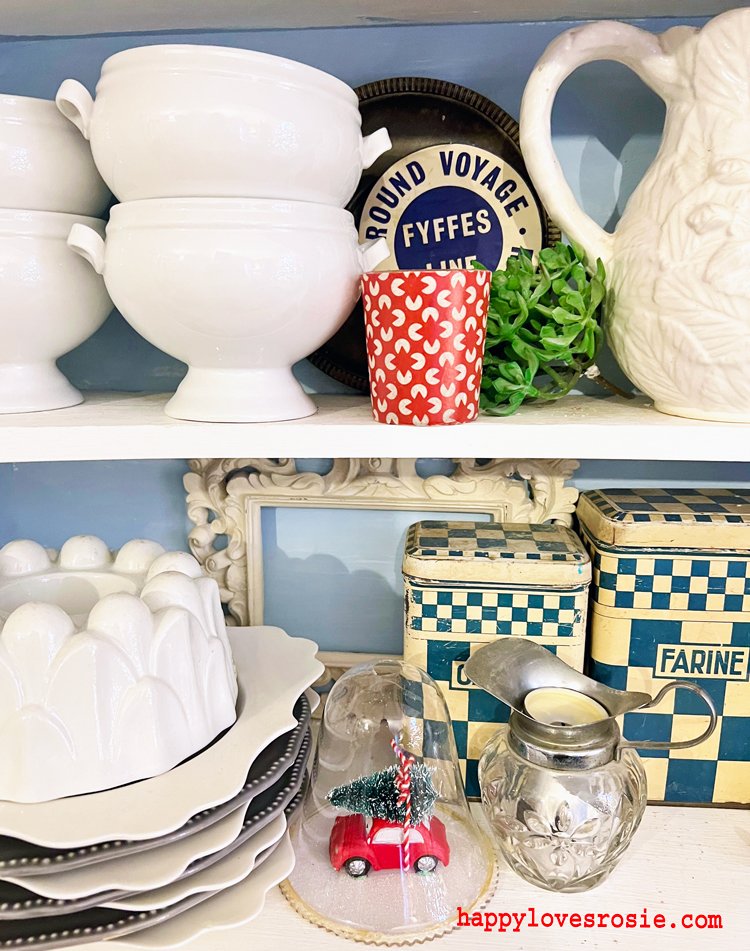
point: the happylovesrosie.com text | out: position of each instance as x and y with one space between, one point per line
515 921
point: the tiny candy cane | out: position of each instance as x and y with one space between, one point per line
403 785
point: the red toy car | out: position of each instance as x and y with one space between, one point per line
358 850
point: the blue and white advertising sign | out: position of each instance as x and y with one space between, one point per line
449 205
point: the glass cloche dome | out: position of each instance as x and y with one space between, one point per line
387 849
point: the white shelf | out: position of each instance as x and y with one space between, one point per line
133 426
682 861
82 17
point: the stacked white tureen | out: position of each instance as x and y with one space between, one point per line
51 301
231 248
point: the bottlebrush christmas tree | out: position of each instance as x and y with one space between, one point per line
377 795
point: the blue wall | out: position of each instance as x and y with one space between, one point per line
606 127
313 559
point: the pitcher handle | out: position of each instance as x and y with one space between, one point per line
636 48
676 744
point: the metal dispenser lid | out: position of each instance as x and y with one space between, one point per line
560 718
511 667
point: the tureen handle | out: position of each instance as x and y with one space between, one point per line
371 253
676 744
374 145
636 48
75 103
90 245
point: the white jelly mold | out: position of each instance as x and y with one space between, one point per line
114 666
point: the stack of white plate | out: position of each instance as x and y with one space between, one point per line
158 862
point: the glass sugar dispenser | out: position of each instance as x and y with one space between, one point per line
387 849
563 792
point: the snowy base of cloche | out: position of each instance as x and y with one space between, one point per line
114 667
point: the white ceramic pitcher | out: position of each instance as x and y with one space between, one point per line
678 263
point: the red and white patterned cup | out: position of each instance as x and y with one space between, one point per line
425 344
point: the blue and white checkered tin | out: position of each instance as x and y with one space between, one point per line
671 600
467 583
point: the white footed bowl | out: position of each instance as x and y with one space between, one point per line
46 164
217 122
114 667
239 289
51 302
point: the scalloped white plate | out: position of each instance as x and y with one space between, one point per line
230 870
149 869
159 867
271 867
229 908
21 859
273 669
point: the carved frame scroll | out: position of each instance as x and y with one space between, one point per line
225 498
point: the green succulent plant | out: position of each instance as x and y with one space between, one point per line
543 327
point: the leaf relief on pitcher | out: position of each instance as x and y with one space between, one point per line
710 216
734 170
728 270
722 64
689 343
704 336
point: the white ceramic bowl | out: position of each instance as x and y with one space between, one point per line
45 164
51 302
239 289
114 666
216 122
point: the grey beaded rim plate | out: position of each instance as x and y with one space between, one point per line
230 870
19 900
100 923
225 909
23 858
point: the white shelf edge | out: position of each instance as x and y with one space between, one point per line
133 426
32 18
682 860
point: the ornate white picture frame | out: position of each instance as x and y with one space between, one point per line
225 497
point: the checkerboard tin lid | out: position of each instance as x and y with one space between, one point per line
716 519
496 553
